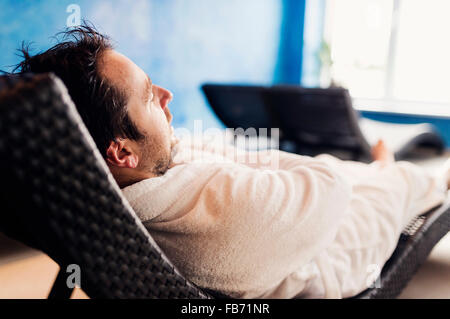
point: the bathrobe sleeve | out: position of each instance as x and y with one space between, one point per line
241 229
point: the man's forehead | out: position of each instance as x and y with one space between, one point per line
121 71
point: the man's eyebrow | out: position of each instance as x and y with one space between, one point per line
148 89
149 80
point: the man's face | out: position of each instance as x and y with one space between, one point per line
147 108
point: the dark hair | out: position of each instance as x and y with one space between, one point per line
74 60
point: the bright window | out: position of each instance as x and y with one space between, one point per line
390 53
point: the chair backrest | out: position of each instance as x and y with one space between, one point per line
316 116
239 106
316 120
59 196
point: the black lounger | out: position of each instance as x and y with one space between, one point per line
317 121
59 196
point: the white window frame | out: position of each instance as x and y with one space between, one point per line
388 103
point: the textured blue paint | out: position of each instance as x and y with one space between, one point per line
312 42
289 63
179 43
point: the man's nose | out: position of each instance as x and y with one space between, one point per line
165 96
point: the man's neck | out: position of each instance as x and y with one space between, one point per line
126 177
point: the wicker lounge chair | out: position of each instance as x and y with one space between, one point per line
59 196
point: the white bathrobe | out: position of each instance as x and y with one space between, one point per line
284 226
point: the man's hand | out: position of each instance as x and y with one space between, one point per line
381 153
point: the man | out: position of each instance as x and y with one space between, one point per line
310 227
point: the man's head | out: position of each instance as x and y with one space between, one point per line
126 114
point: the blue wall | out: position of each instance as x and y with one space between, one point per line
179 43
184 43
290 56
312 42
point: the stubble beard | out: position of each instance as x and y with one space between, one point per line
164 158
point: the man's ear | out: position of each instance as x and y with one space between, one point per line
120 154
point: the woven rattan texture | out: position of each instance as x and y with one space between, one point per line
79 213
